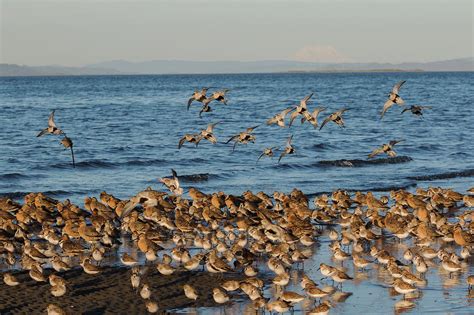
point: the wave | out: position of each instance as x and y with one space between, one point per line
144 162
447 175
360 163
51 193
373 189
11 176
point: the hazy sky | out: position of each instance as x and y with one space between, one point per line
70 32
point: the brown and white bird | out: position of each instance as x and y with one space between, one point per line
198 96
267 152
208 134
52 128
243 137
205 106
386 148
279 119
172 183
416 109
393 98
312 118
300 109
289 149
191 138
67 143
335 117
220 96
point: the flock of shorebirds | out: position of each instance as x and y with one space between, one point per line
262 238
301 110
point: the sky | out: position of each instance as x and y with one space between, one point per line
76 33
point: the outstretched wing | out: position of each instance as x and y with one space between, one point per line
190 101
292 118
281 156
261 155
249 130
376 152
42 132
405 109
386 106
288 142
399 101
210 127
394 142
51 120
328 119
212 139
397 86
181 142
233 138
308 97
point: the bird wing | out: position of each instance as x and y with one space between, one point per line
426 107
210 127
405 109
42 132
288 142
175 175
328 119
212 139
51 120
181 142
376 152
292 118
397 86
394 142
391 153
260 156
386 106
272 120
232 138
317 111
249 130
281 156
233 147
190 101
340 112
308 97
399 101
286 111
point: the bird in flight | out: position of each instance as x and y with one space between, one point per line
312 118
243 137
386 148
220 96
205 106
67 143
393 98
208 134
191 138
289 149
416 109
52 128
267 152
279 119
335 117
198 96
300 109
172 183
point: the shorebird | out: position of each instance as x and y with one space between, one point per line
208 134
402 287
267 152
220 96
300 109
312 118
198 96
335 117
393 98
220 296
243 137
279 119
190 292
205 106
52 128
321 309
416 109
67 143
289 149
172 183
386 148
191 138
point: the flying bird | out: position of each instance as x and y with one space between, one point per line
267 152
205 106
386 148
220 96
312 118
208 134
67 143
243 137
52 128
416 109
172 183
335 117
191 138
393 98
300 109
198 96
289 149
279 119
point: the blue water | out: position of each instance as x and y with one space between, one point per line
126 130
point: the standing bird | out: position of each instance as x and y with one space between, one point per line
52 128
243 137
208 134
335 117
416 109
279 118
67 143
300 109
172 183
220 96
198 96
393 98
267 152
386 148
289 149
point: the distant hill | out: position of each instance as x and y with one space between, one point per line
118 67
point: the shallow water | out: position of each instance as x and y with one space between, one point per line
126 130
